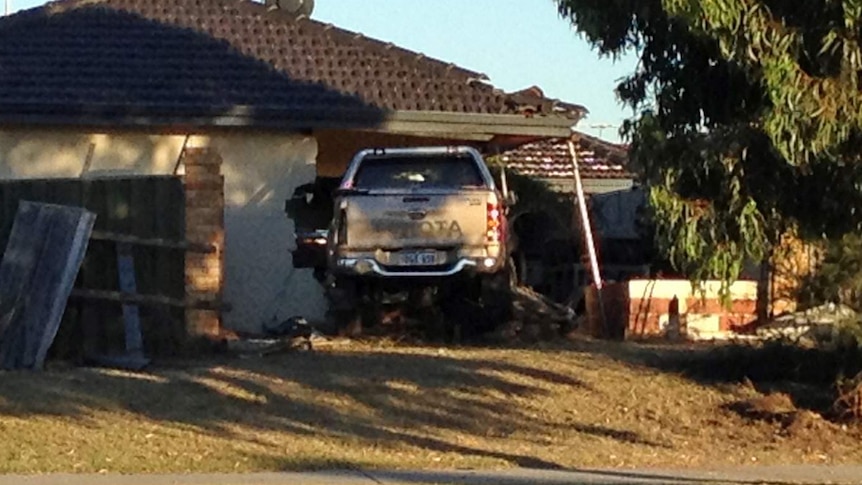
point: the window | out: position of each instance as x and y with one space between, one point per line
418 172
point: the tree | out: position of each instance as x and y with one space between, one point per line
748 119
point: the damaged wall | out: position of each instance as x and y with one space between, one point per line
261 172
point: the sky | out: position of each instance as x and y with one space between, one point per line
517 43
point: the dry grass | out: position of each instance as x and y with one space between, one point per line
378 405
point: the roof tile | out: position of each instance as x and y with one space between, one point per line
205 54
551 159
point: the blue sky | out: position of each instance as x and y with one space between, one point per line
517 43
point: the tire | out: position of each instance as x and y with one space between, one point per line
370 312
345 323
497 301
343 301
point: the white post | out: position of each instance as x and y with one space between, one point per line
8 7
585 219
588 231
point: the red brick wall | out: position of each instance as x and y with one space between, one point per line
637 309
204 186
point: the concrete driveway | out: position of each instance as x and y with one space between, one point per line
803 474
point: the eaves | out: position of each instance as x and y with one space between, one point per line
191 118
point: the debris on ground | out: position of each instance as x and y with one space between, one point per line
811 324
295 333
263 346
292 327
535 317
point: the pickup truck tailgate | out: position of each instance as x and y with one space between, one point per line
394 221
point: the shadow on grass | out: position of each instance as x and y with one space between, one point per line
807 375
384 398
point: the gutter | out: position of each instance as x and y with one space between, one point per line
473 124
420 123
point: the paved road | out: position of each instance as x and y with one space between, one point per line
849 474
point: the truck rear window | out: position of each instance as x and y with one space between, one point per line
418 172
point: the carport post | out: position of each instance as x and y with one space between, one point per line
588 231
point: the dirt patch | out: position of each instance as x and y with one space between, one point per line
809 425
778 409
771 406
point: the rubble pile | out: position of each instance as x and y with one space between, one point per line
535 318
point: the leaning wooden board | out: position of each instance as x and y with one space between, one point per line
42 258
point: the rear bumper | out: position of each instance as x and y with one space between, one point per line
389 263
369 267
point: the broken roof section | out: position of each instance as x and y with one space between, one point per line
551 160
234 62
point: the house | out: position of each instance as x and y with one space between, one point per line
245 100
551 246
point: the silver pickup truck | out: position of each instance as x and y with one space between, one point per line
428 224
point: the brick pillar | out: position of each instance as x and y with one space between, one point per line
204 187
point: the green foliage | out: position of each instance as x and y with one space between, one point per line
839 277
748 119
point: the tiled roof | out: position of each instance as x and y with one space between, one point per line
551 159
204 57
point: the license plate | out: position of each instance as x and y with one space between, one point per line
419 259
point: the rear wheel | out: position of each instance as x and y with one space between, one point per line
493 293
497 300
344 303
371 311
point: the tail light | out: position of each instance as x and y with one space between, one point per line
495 223
341 235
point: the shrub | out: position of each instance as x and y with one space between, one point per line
839 276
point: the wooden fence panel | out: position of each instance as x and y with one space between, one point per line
146 206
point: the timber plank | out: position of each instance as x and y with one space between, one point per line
77 225
131 316
140 299
153 241
22 251
39 268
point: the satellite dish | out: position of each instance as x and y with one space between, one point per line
296 7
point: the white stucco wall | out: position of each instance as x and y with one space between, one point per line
261 171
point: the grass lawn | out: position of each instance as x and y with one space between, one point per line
378 405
